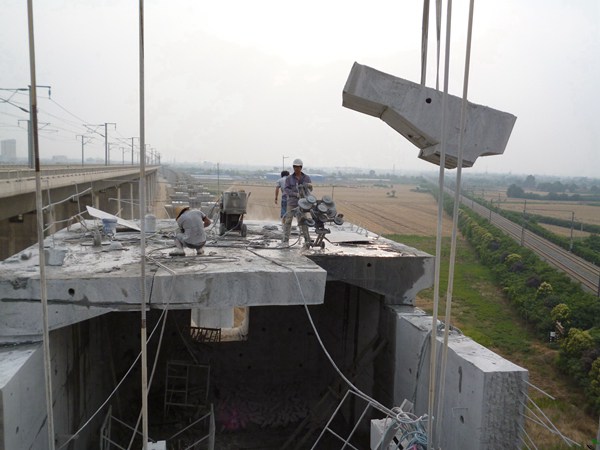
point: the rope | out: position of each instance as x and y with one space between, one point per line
424 39
357 391
114 391
450 287
438 243
529 438
438 28
162 332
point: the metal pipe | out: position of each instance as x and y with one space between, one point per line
143 232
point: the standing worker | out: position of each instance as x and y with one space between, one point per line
281 186
191 234
292 183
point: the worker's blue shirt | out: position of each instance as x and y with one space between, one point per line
291 188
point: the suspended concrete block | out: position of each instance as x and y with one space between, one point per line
415 112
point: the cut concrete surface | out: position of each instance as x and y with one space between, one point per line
415 112
96 279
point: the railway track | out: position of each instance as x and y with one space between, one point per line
580 270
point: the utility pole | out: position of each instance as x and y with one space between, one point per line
105 136
106 150
283 158
523 224
132 146
123 153
82 144
572 220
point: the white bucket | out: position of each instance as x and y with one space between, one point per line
109 226
150 223
55 256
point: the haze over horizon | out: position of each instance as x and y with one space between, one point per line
251 83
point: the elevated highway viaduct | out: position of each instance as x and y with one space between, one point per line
66 191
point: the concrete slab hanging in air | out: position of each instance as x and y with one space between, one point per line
415 112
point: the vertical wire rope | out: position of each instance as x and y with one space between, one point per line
438 243
438 30
142 208
40 228
424 41
450 287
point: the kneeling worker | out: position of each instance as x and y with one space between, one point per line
191 224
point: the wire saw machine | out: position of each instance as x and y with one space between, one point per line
316 213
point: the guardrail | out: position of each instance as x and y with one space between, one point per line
25 172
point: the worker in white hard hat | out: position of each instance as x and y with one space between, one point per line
191 233
293 192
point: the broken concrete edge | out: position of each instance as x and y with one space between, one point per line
476 379
416 112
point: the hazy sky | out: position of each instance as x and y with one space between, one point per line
250 82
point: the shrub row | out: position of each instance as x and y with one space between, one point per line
587 248
545 298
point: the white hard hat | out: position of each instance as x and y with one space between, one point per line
297 162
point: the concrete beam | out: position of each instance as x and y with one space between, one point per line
484 393
398 276
415 112
95 280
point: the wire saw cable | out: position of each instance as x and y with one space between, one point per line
356 390
162 331
552 428
528 437
450 286
114 391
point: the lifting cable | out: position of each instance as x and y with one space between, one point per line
438 242
447 317
424 38
40 230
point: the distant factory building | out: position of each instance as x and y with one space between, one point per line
316 177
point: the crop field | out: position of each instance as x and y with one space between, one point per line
376 209
587 212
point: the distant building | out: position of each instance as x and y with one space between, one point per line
8 150
316 178
59 159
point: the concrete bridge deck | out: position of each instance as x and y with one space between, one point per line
234 272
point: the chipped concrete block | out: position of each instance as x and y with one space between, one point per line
415 112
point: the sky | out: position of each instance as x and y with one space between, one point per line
260 83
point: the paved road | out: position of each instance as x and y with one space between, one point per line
580 270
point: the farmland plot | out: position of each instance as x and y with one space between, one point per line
396 210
